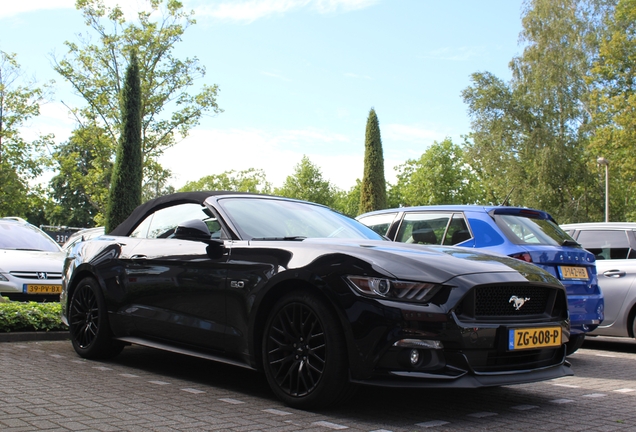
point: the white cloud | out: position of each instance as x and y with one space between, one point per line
456 54
414 134
402 142
13 8
54 119
130 8
207 152
251 10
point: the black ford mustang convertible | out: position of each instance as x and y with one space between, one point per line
314 299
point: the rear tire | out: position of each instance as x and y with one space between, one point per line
574 344
305 353
88 323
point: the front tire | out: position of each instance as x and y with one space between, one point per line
304 353
88 323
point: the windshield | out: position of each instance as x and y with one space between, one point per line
525 230
272 219
25 237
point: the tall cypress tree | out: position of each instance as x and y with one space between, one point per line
373 186
125 186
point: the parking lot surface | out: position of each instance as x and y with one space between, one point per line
46 386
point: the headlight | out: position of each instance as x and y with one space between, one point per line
3 279
393 289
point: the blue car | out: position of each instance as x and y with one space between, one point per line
527 234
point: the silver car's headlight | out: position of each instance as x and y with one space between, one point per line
394 289
3 278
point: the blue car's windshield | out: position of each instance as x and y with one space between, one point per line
279 219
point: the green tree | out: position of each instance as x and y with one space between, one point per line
348 202
125 188
307 184
250 180
373 186
168 109
440 176
613 106
21 160
531 133
80 189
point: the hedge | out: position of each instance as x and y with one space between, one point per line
30 316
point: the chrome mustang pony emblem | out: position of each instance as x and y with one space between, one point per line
517 302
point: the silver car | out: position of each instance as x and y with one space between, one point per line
30 262
82 235
614 245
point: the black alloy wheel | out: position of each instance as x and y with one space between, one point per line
304 353
88 323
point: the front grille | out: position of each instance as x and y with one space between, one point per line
506 302
37 275
500 300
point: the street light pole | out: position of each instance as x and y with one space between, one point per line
603 161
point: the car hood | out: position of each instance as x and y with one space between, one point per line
434 263
18 260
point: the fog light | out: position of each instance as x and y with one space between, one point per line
415 356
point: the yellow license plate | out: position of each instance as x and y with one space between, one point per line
44 289
568 272
540 337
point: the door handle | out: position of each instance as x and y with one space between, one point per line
614 273
138 257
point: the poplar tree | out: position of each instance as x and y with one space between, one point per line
373 186
125 188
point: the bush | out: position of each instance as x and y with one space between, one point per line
30 316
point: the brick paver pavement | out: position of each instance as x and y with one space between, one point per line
46 386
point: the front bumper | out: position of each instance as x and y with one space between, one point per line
429 345
454 378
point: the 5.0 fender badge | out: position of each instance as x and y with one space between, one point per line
517 302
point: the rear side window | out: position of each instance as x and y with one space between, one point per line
457 231
423 228
379 223
162 223
531 231
607 244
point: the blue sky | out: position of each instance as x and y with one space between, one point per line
298 77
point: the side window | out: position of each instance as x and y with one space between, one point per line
162 223
141 231
457 231
379 223
423 228
606 244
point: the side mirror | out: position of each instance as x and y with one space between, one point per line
196 230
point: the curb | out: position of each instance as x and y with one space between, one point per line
34 336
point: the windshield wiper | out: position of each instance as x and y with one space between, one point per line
280 238
569 243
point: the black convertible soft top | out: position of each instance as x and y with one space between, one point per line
199 197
